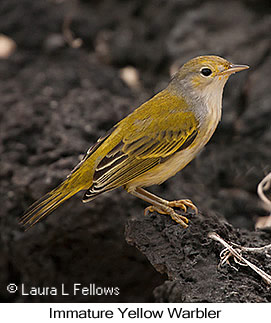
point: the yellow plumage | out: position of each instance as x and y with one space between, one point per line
151 144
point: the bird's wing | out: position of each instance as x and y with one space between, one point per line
139 151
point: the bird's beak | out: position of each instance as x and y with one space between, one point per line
233 69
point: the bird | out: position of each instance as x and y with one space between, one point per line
151 144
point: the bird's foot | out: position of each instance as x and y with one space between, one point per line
163 209
183 204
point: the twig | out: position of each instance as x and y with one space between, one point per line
238 257
263 249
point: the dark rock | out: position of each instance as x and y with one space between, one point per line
190 259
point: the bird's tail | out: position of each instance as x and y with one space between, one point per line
49 202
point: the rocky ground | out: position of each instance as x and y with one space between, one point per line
66 83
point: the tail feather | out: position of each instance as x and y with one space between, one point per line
47 204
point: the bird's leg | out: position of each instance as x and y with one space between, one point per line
182 204
163 206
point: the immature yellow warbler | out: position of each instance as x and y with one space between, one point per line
152 143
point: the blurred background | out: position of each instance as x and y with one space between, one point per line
69 70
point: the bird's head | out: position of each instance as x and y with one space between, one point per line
204 75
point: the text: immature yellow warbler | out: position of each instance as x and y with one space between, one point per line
152 143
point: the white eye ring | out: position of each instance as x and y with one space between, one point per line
206 71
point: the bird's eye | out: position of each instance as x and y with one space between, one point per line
206 71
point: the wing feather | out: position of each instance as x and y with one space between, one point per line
135 155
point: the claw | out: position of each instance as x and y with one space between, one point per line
182 220
151 209
183 204
148 209
157 204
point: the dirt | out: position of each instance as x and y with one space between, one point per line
55 101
